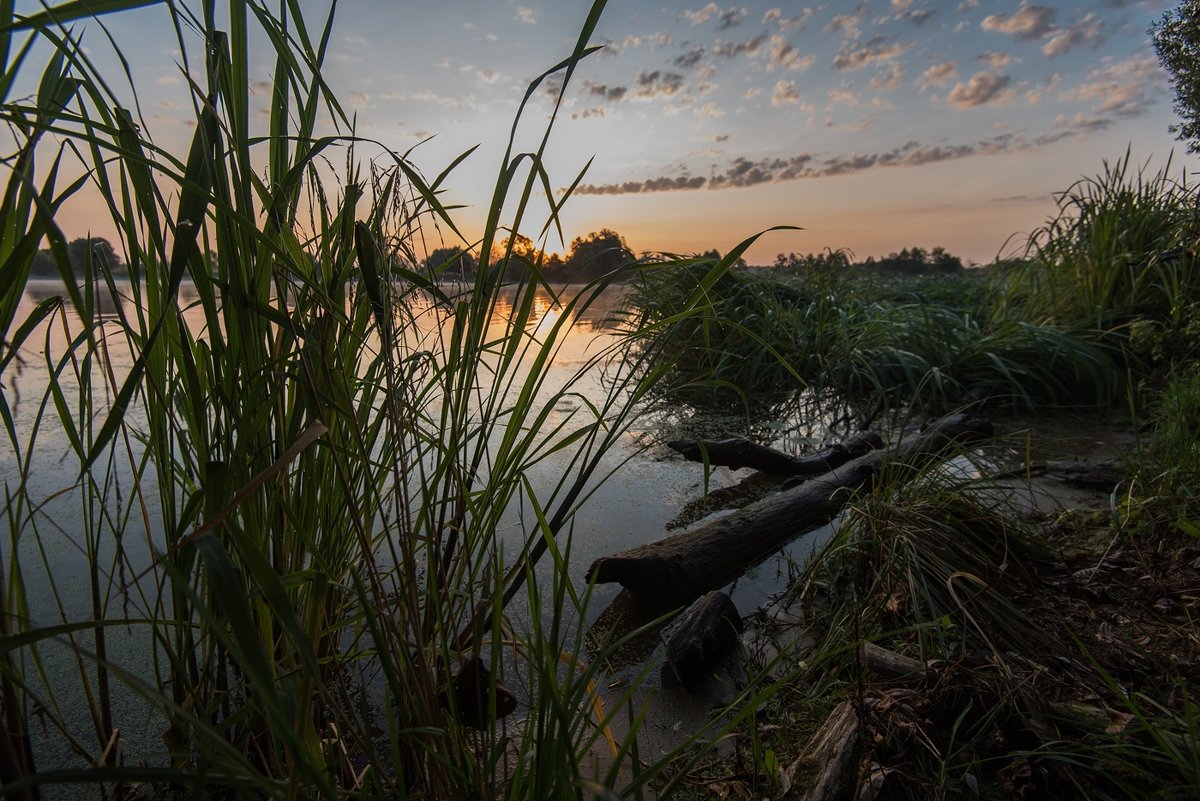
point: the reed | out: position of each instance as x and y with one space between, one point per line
306 500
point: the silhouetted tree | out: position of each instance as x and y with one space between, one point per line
1177 41
451 263
598 253
96 251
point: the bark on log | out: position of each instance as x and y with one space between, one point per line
737 453
889 664
828 767
708 632
684 566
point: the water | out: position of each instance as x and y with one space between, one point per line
65 537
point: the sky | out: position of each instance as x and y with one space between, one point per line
874 126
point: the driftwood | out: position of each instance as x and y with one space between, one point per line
889 664
828 767
684 566
706 634
737 453
1078 472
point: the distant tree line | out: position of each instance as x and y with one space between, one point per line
99 250
909 261
589 257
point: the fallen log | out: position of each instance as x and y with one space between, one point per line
708 632
737 453
889 664
827 769
684 566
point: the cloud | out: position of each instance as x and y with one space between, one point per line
488 75
750 47
1088 31
691 58
786 56
983 88
730 18
725 19
613 94
845 24
658 84
967 5
774 16
1029 22
843 96
939 74
996 61
661 184
753 92
1122 88
888 78
709 111
851 57
526 15
785 94
743 172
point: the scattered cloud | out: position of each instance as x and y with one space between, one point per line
785 56
845 24
845 97
750 47
1089 30
730 18
775 16
725 19
753 92
785 94
526 15
658 84
967 5
1121 89
709 111
1028 23
742 172
888 77
983 88
996 61
691 58
612 94
852 57
939 74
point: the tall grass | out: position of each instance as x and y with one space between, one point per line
934 344
1122 245
295 501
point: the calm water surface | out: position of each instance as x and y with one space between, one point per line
632 507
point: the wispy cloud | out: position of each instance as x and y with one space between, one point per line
742 172
658 84
727 18
1029 22
1120 88
939 74
785 94
852 57
996 61
526 15
1090 30
983 88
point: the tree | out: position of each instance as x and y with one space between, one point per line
451 263
1177 41
598 253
